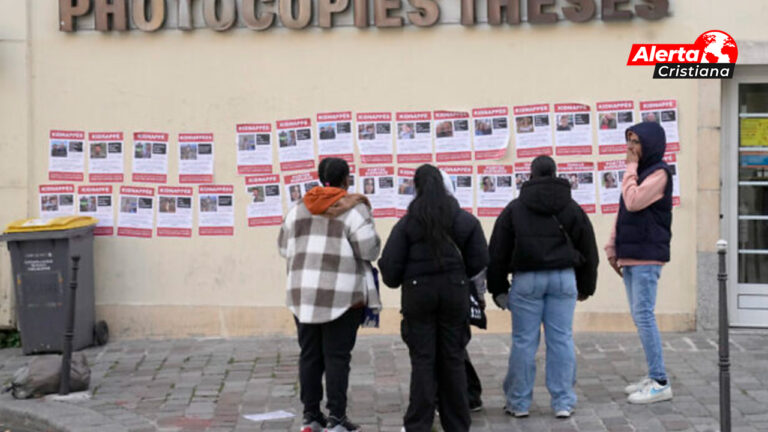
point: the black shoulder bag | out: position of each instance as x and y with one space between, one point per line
477 315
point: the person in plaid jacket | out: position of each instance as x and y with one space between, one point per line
329 240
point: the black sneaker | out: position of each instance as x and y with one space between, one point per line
313 422
476 407
341 425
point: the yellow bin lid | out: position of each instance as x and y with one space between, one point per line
55 224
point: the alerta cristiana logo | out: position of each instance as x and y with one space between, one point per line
713 55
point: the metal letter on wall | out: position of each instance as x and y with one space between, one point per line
117 9
381 13
139 14
224 19
361 13
611 11
71 9
582 11
537 16
467 12
656 10
185 15
304 13
326 9
511 6
427 13
255 21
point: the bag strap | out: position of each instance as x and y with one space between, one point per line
461 255
565 233
576 254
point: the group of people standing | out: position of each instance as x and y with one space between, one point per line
438 254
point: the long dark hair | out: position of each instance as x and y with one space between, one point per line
433 208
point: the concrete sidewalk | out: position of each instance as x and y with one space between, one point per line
208 385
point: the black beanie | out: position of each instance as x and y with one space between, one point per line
543 166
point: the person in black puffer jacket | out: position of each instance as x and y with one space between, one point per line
431 252
547 242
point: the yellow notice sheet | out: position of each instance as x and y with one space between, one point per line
754 132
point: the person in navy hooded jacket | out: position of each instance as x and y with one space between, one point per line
639 247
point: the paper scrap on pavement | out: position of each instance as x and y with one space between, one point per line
274 415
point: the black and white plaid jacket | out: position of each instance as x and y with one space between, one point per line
328 266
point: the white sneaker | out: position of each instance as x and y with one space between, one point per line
635 387
652 392
564 414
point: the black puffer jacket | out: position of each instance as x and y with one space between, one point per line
527 236
407 255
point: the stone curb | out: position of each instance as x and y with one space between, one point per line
59 416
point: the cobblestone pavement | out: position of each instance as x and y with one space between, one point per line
208 385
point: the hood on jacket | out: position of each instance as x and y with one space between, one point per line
332 202
547 195
319 199
653 141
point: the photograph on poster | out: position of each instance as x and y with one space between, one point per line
99 150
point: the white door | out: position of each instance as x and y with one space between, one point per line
745 195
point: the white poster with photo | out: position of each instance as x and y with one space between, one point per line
613 118
522 175
533 130
379 186
105 157
405 190
663 112
374 137
461 177
610 175
297 185
136 216
453 141
150 157
96 201
573 129
174 211
671 160
254 148
66 161
265 207
581 176
352 175
494 189
296 150
216 210
56 200
334 136
414 137
196 158
491 132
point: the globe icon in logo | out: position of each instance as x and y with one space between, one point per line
717 47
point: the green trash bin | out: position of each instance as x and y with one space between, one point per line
41 261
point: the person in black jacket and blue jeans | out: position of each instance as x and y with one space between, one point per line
546 241
431 252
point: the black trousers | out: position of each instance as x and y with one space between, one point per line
435 327
327 348
474 388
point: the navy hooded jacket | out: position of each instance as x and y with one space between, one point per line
646 234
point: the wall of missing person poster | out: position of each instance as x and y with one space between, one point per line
450 137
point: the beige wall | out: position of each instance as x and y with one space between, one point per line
203 81
15 140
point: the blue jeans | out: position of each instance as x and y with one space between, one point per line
535 297
641 283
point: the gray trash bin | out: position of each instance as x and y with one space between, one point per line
41 259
